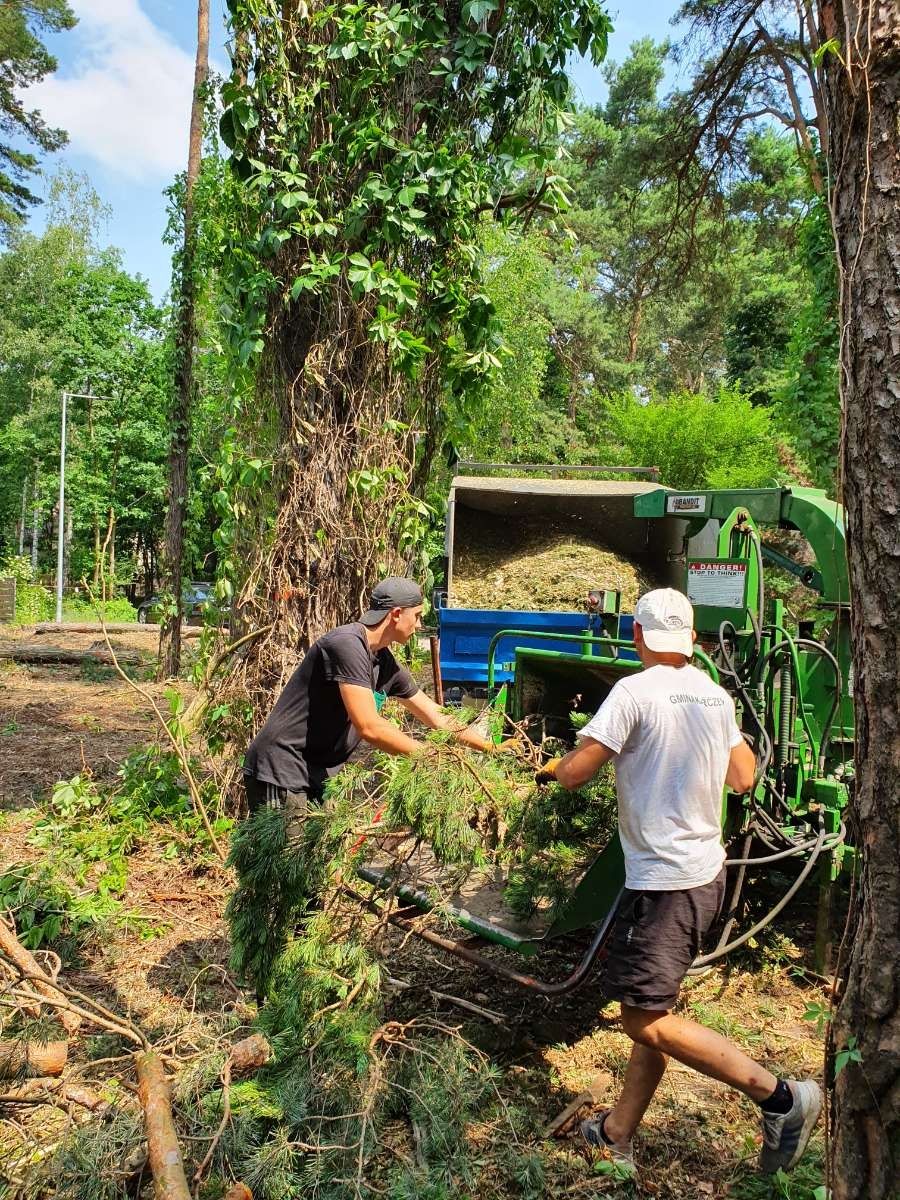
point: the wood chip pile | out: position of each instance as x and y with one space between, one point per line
538 566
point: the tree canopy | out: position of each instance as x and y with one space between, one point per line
24 60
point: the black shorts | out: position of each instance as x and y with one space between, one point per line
656 937
270 795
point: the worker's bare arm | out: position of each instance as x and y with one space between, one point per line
582 763
741 768
373 728
424 709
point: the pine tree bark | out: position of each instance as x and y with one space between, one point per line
862 86
179 446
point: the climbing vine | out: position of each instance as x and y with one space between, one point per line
373 140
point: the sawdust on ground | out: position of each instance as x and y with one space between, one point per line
539 567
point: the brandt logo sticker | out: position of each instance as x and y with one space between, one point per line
686 504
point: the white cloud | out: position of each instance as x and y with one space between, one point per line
125 100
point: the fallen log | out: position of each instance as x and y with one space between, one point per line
40 980
56 656
163 1150
53 1091
41 1058
187 631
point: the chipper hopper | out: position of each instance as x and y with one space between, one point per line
790 686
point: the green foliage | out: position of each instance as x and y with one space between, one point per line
87 835
697 441
849 1053
371 149
88 1165
26 61
45 910
33 601
71 319
556 834
117 609
809 402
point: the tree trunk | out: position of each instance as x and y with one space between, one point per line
96 573
634 329
111 587
35 523
863 98
170 637
22 519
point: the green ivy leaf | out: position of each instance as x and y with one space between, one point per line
476 10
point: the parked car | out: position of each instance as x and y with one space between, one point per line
196 594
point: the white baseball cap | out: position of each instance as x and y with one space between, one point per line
666 619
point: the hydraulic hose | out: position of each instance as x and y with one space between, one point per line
704 960
790 644
731 911
799 849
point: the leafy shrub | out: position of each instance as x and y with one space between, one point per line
44 909
33 602
78 609
697 441
89 834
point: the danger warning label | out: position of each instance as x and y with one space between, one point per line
717 583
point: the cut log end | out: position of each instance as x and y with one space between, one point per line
250 1054
38 1058
238 1191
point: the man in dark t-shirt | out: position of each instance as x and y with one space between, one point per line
328 705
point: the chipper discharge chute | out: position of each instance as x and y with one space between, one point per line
791 692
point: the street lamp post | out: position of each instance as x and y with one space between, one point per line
61 527
61 530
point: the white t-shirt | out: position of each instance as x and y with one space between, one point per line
672 730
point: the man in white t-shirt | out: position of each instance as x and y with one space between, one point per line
673 737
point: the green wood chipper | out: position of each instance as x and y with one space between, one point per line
791 686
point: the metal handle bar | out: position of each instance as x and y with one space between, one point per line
546 635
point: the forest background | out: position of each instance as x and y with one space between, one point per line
705 345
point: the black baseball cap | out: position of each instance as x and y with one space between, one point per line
396 592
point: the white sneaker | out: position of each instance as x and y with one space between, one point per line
785 1134
620 1153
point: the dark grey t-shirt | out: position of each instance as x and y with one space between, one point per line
308 735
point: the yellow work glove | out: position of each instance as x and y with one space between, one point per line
511 745
547 773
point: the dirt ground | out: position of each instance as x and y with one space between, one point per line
165 964
54 718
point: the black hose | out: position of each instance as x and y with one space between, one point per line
818 648
731 911
764 747
773 827
720 951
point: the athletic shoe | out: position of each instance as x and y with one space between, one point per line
785 1134
620 1153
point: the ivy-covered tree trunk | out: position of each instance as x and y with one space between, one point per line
373 140
185 337
863 96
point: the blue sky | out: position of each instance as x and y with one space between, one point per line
123 90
